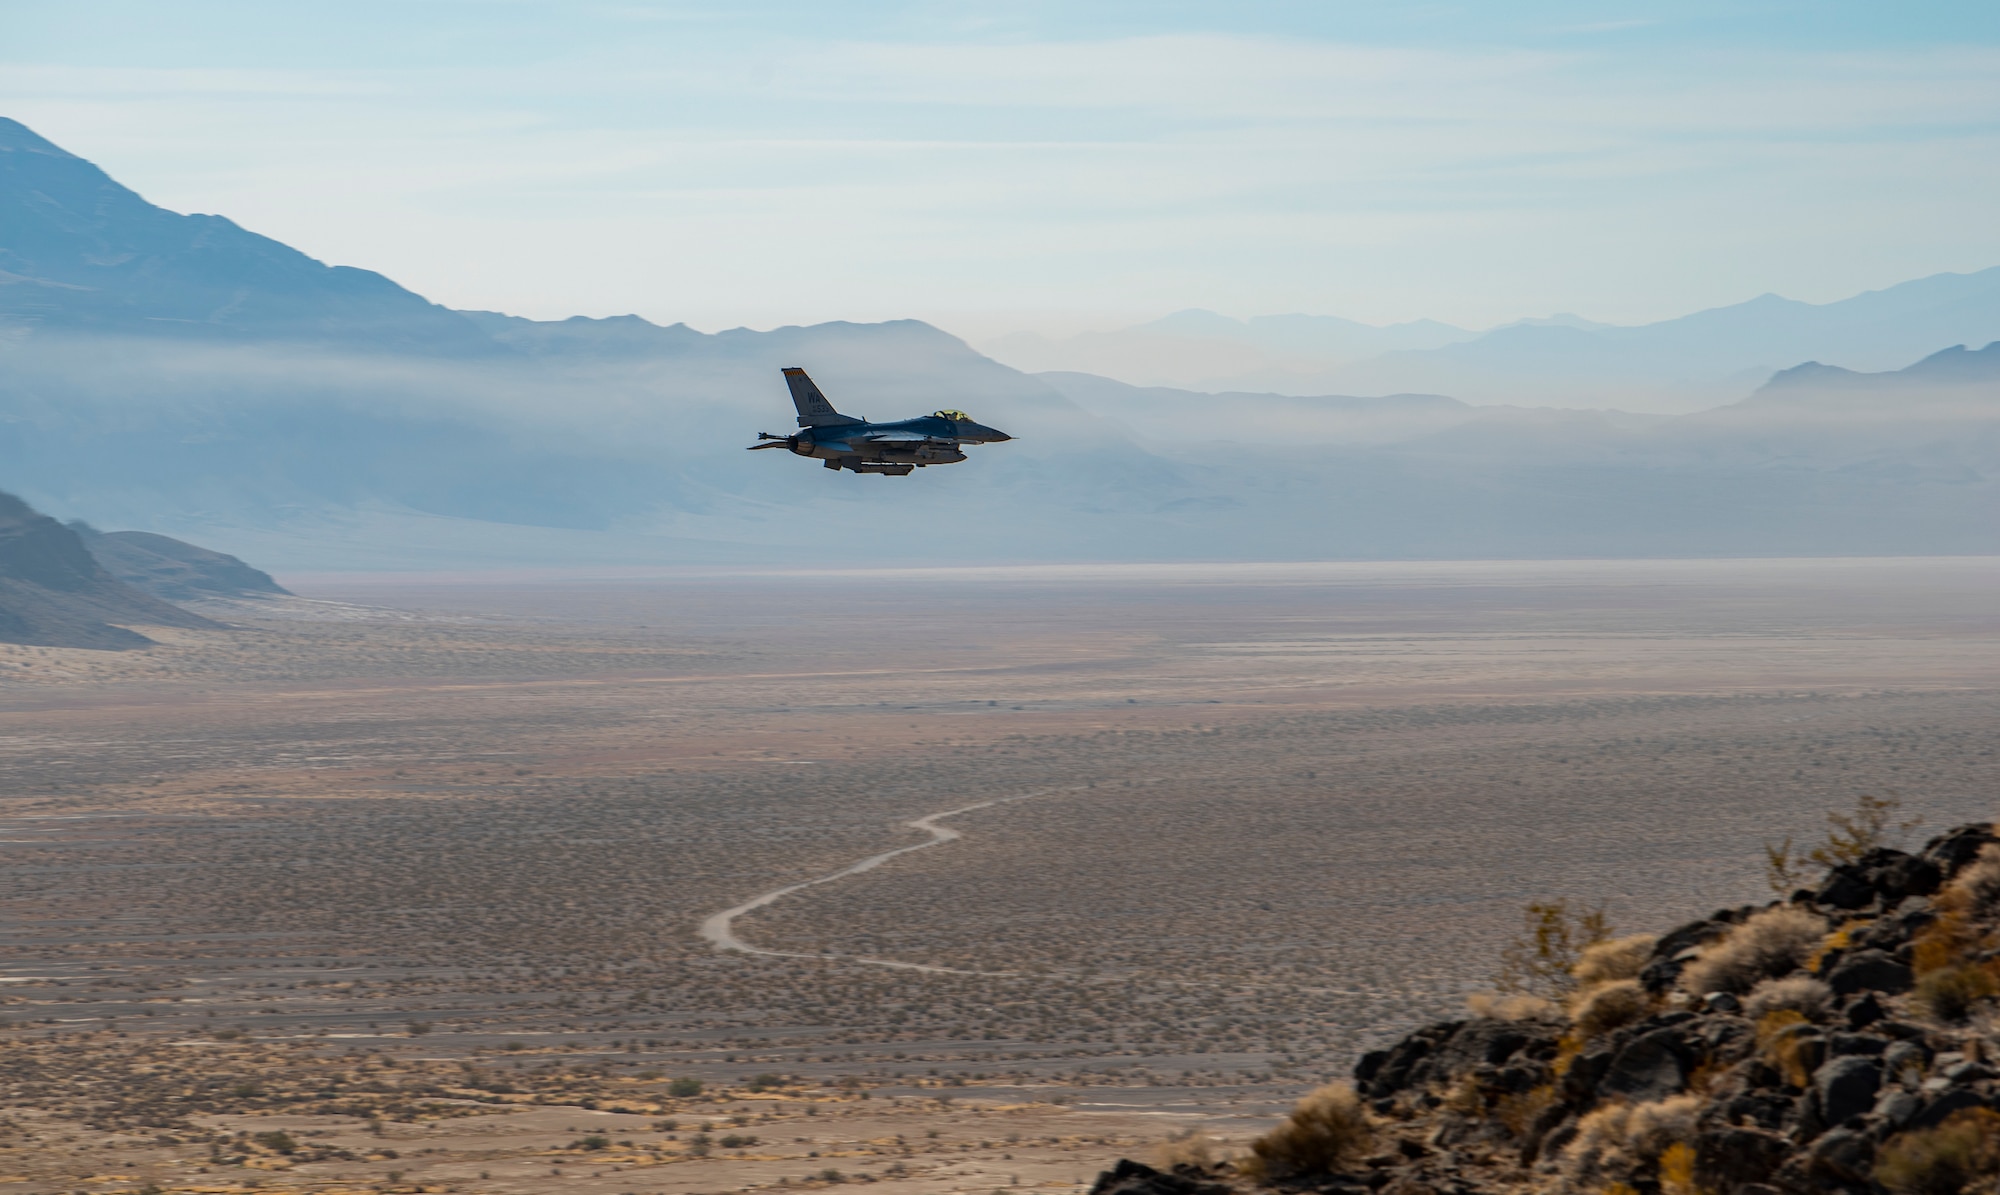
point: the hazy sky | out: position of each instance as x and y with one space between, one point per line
1048 165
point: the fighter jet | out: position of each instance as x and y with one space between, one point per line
846 442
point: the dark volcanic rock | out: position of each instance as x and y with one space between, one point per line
1865 1012
1890 874
1764 1111
1844 1156
1897 875
1905 1055
1941 1109
1896 930
1675 950
1955 848
1897 1106
1579 1083
1846 1087
1652 1066
1137 1178
1873 1070
1844 1044
1845 888
1726 1038
1442 1053
1725 1159
1870 971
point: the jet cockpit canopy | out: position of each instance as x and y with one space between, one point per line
954 416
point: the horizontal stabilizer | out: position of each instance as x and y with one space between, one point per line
814 410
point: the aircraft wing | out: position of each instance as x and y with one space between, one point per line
896 438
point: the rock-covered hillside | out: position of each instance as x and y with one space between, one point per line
1844 1040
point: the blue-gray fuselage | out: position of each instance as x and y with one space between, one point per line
849 442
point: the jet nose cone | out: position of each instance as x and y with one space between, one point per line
994 435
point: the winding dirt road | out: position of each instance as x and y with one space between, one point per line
719 928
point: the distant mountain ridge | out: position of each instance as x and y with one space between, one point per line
1693 362
182 376
1703 359
1954 369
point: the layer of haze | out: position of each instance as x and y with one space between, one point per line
996 167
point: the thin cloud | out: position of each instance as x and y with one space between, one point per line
789 181
1616 26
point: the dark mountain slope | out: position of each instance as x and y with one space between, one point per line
80 252
1956 370
173 569
327 397
53 593
1938 418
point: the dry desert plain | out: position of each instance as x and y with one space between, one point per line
426 883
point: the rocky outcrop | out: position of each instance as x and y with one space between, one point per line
1797 1088
1136 1178
53 593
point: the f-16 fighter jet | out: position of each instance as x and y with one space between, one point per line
846 442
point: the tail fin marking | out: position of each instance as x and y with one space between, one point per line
814 409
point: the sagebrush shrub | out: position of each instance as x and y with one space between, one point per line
1945 1160
1768 944
1972 897
1553 940
1620 1141
1800 993
1979 882
1620 958
1951 993
1609 1006
1519 1112
1779 1042
1190 1147
1326 1131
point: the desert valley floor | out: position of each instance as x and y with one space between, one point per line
402 884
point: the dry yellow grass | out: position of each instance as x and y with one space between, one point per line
1609 1006
1945 1160
1621 1142
1619 958
1326 1131
1800 993
1767 945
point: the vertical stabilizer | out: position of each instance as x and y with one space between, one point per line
814 410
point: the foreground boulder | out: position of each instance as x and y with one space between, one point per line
1137 1178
